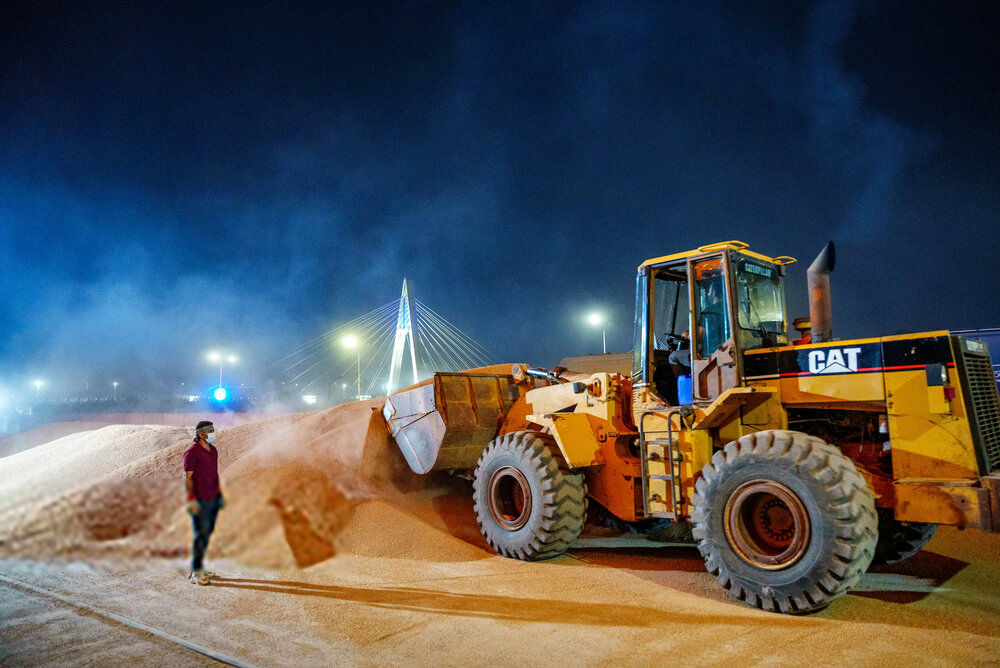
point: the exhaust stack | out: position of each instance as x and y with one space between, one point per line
818 278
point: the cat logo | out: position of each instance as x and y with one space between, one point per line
837 360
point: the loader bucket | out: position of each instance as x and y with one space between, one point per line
446 424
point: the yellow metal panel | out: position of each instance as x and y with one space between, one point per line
768 415
603 405
554 398
660 496
964 506
937 402
697 452
551 398
926 444
696 448
862 387
730 431
655 424
576 438
657 467
727 406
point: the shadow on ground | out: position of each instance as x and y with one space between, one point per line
909 581
672 558
496 607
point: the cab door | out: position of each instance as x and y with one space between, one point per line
662 325
714 359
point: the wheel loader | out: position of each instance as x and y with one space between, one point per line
795 464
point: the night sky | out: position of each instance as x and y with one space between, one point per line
182 176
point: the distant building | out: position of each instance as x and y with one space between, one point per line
608 363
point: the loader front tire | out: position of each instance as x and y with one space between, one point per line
529 506
784 521
899 540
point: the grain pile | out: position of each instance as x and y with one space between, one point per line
299 490
15 443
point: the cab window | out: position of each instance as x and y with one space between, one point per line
670 306
760 304
710 312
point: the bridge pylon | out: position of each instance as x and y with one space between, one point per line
404 331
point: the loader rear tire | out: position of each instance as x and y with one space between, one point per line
784 521
899 540
529 506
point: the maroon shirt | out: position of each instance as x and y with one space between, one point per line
205 465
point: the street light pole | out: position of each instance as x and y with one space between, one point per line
220 358
351 342
597 319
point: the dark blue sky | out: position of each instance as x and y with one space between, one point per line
184 175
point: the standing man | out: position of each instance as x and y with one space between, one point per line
204 496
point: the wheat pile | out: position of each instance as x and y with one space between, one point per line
299 489
15 443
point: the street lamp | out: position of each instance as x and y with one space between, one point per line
597 320
116 389
220 358
38 385
351 342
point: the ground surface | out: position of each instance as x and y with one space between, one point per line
333 552
608 602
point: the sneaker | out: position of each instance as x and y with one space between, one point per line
209 574
199 577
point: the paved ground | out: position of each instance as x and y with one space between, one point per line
39 629
610 601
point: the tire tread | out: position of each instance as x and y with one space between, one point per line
850 506
563 497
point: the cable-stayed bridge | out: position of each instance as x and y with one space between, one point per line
392 346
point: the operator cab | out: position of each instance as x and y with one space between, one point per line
696 313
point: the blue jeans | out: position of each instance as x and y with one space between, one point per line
204 525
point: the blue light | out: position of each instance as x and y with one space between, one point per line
220 394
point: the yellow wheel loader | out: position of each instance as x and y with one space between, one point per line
795 463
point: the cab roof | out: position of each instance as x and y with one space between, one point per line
738 246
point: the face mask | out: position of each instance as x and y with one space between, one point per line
210 438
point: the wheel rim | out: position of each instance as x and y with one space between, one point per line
510 498
767 524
